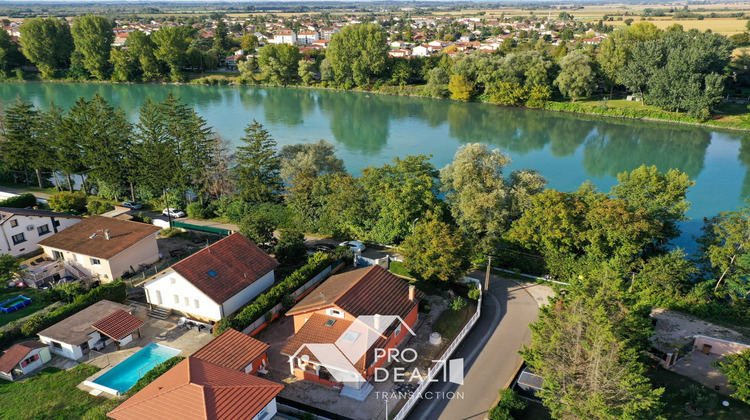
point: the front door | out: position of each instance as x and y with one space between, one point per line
158 297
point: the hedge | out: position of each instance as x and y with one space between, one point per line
621 112
265 302
154 373
114 291
20 201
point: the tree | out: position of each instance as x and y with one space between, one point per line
613 55
257 227
19 139
93 37
436 252
401 73
47 43
10 57
661 195
68 202
257 170
247 69
460 87
171 47
141 48
723 252
577 77
9 265
736 367
290 248
437 82
125 66
665 276
358 53
314 159
590 370
249 43
221 42
510 404
279 62
479 196
305 71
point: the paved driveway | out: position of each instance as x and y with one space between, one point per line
490 353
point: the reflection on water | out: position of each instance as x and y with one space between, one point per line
371 129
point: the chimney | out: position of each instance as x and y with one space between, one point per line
412 291
106 234
377 322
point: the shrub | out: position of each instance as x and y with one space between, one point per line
99 207
170 232
19 201
457 303
263 303
68 202
147 219
474 293
291 246
507 407
198 211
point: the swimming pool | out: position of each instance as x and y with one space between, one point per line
123 376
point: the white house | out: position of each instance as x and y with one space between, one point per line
22 229
328 32
104 247
75 335
421 51
307 37
215 282
284 36
22 359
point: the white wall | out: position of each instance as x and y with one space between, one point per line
250 293
162 283
270 409
32 236
67 350
44 357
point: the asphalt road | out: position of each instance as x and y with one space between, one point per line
490 355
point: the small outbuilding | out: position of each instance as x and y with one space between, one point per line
22 359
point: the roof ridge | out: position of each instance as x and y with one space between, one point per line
193 255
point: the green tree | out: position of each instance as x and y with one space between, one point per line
221 42
93 37
249 43
460 87
9 266
358 53
125 66
480 198
577 77
171 44
736 367
590 371
290 248
723 252
141 48
509 405
436 252
47 43
305 71
247 69
309 158
612 57
279 62
257 227
68 202
257 170
437 82
400 73
10 56
19 139
666 276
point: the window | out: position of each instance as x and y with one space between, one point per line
43 230
187 301
397 331
263 414
335 312
197 305
13 223
56 345
330 322
211 273
73 257
17 239
56 223
95 261
350 336
57 255
176 299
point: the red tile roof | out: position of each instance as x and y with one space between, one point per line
78 238
14 355
118 325
198 390
366 291
232 349
235 262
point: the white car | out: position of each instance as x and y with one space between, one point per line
355 246
173 213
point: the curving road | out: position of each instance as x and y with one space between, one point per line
490 354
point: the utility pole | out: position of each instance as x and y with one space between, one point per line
487 276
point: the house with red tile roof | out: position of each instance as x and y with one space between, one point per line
357 314
119 326
214 282
235 351
22 359
199 390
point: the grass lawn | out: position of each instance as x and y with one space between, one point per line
397 267
37 303
31 188
674 401
52 394
450 322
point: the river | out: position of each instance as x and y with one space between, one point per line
372 129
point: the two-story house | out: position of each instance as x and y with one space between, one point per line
22 229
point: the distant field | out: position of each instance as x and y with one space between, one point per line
726 26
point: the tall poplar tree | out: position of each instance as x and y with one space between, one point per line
93 37
257 173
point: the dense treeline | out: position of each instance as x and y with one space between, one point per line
676 70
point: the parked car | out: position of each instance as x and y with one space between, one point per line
132 205
355 246
323 247
173 213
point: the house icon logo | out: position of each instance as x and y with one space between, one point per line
360 345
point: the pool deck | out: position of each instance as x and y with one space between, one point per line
163 332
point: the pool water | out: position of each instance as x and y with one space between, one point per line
123 376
